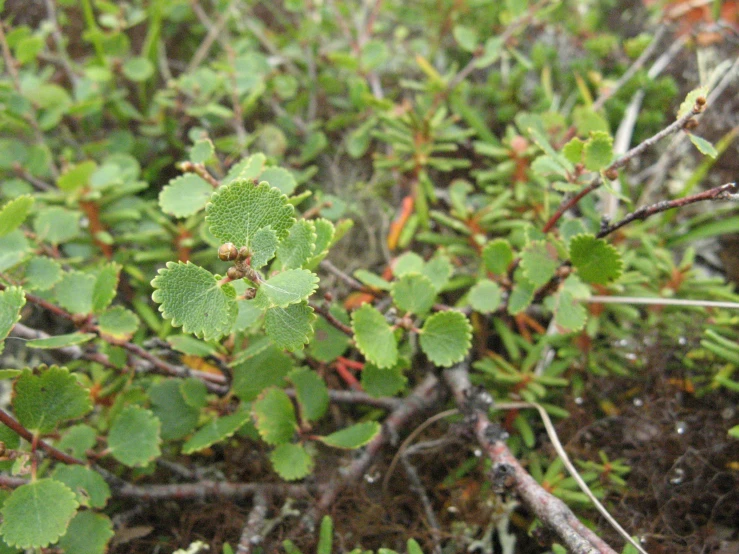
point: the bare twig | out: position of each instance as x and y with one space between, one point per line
251 535
428 509
21 431
660 302
329 317
354 398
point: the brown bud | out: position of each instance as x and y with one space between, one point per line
611 174
227 252
234 273
700 101
244 253
250 293
691 124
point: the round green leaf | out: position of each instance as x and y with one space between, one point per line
374 337
88 533
134 438
42 401
185 195
74 292
414 293
250 378
13 248
290 327
12 300
497 256
291 461
439 270
138 69
289 287
328 342
56 225
178 418
485 296
410 262
42 273
311 392
194 392
598 151
298 247
118 322
383 382
274 416
37 514
446 337
352 437
202 151
14 213
539 262
216 431
596 261
192 298
77 440
77 176
522 293
237 211
279 178
569 314
89 486
263 247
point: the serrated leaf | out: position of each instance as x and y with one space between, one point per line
325 232
74 292
311 393
248 169
178 418
192 298
328 342
298 247
190 345
237 211
497 256
439 270
88 533
263 247
134 438
687 105
194 392
539 262
598 151
118 322
569 314
383 382
446 337
43 401
522 293
291 461
89 486
285 288
290 327
12 299
279 178
596 261
13 248
414 293
250 377
546 165
705 147
215 431
77 440
76 176
56 225
202 151
485 296
374 337
573 150
185 195
60 341
274 416
37 514
355 436
106 284
14 213
410 262
42 273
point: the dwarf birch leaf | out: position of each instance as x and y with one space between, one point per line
216 431
178 418
383 382
74 292
275 416
596 261
60 341
371 280
88 533
410 262
56 225
485 296
291 461
14 213
43 401
13 248
106 283
118 322
202 151
263 247
89 486
324 235
279 178
569 229
521 295
539 262
185 195
194 392
497 256
705 147
374 337
598 151
37 514
289 287
12 300
77 176
237 211
290 327
687 105
248 169
311 393
352 437
573 150
439 270
249 376
446 337
569 314
77 440
414 293
42 273
134 437
192 298
328 342
298 247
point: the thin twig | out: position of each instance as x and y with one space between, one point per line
213 34
59 42
329 317
428 509
21 431
251 535
661 302
355 398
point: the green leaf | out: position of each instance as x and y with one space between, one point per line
279 178
291 461
410 262
37 514
522 293
311 393
596 261
466 37
485 296
569 314
178 418
237 211
539 262
325 536
414 293
246 170
573 150
13 248
118 322
290 327
274 415
354 436
42 273
705 147
371 280
134 438
216 431
138 69
446 337
89 486
77 176
74 292
298 247
194 392
56 225
439 270
12 299
383 382
263 247
106 284
60 341
598 151
14 213
77 440
185 195
497 256
374 337
571 228
190 345
687 105
285 288
328 342
192 298
43 401
250 377
88 533
202 151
